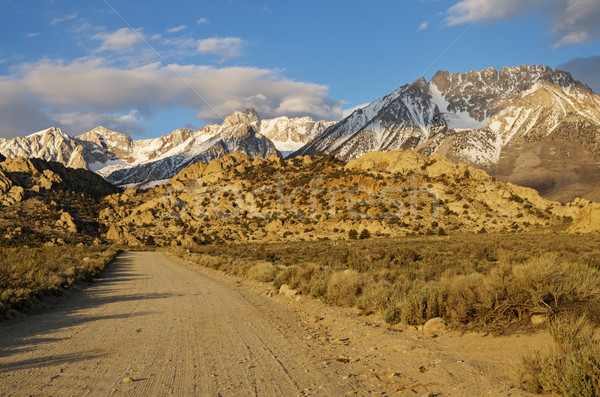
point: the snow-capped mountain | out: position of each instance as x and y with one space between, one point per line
289 135
51 145
238 133
112 153
529 125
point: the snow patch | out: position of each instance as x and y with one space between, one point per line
454 119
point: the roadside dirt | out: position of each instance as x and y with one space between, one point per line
181 331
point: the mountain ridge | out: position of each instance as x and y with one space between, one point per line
488 119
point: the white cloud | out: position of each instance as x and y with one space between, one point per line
467 11
63 19
85 93
202 21
176 29
119 40
226 47
572 21
33 34
423 26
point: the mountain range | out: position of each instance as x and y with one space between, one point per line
124 161
529 125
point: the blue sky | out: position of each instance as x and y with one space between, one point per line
146 68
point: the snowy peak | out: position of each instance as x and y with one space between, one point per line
290 134
238 133
52 131
108 142
51 144
116 156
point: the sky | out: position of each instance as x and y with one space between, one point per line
147 68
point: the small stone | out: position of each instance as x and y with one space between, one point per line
435 326
127 379
401 348
288 292
538 319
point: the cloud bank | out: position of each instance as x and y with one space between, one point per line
82 94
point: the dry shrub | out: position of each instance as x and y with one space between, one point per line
302 277
305 278
285 276
376 298
546 285
421 302
344 287
319 288
573 369
210 261
494 283
464 297
26 273
392 315
262 271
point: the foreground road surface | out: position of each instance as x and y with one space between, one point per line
173 330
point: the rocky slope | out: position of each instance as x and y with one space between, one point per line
522 124
237 198
45 201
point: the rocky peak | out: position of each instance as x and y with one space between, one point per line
419 85
248 116
108 139
240 131
180 135
509 80
478 93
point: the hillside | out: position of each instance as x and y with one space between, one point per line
46 202
240 199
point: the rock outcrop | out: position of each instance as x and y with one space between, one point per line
242 199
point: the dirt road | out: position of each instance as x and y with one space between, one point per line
184 331
174 331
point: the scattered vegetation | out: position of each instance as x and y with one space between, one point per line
491 282
30 273
573 369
